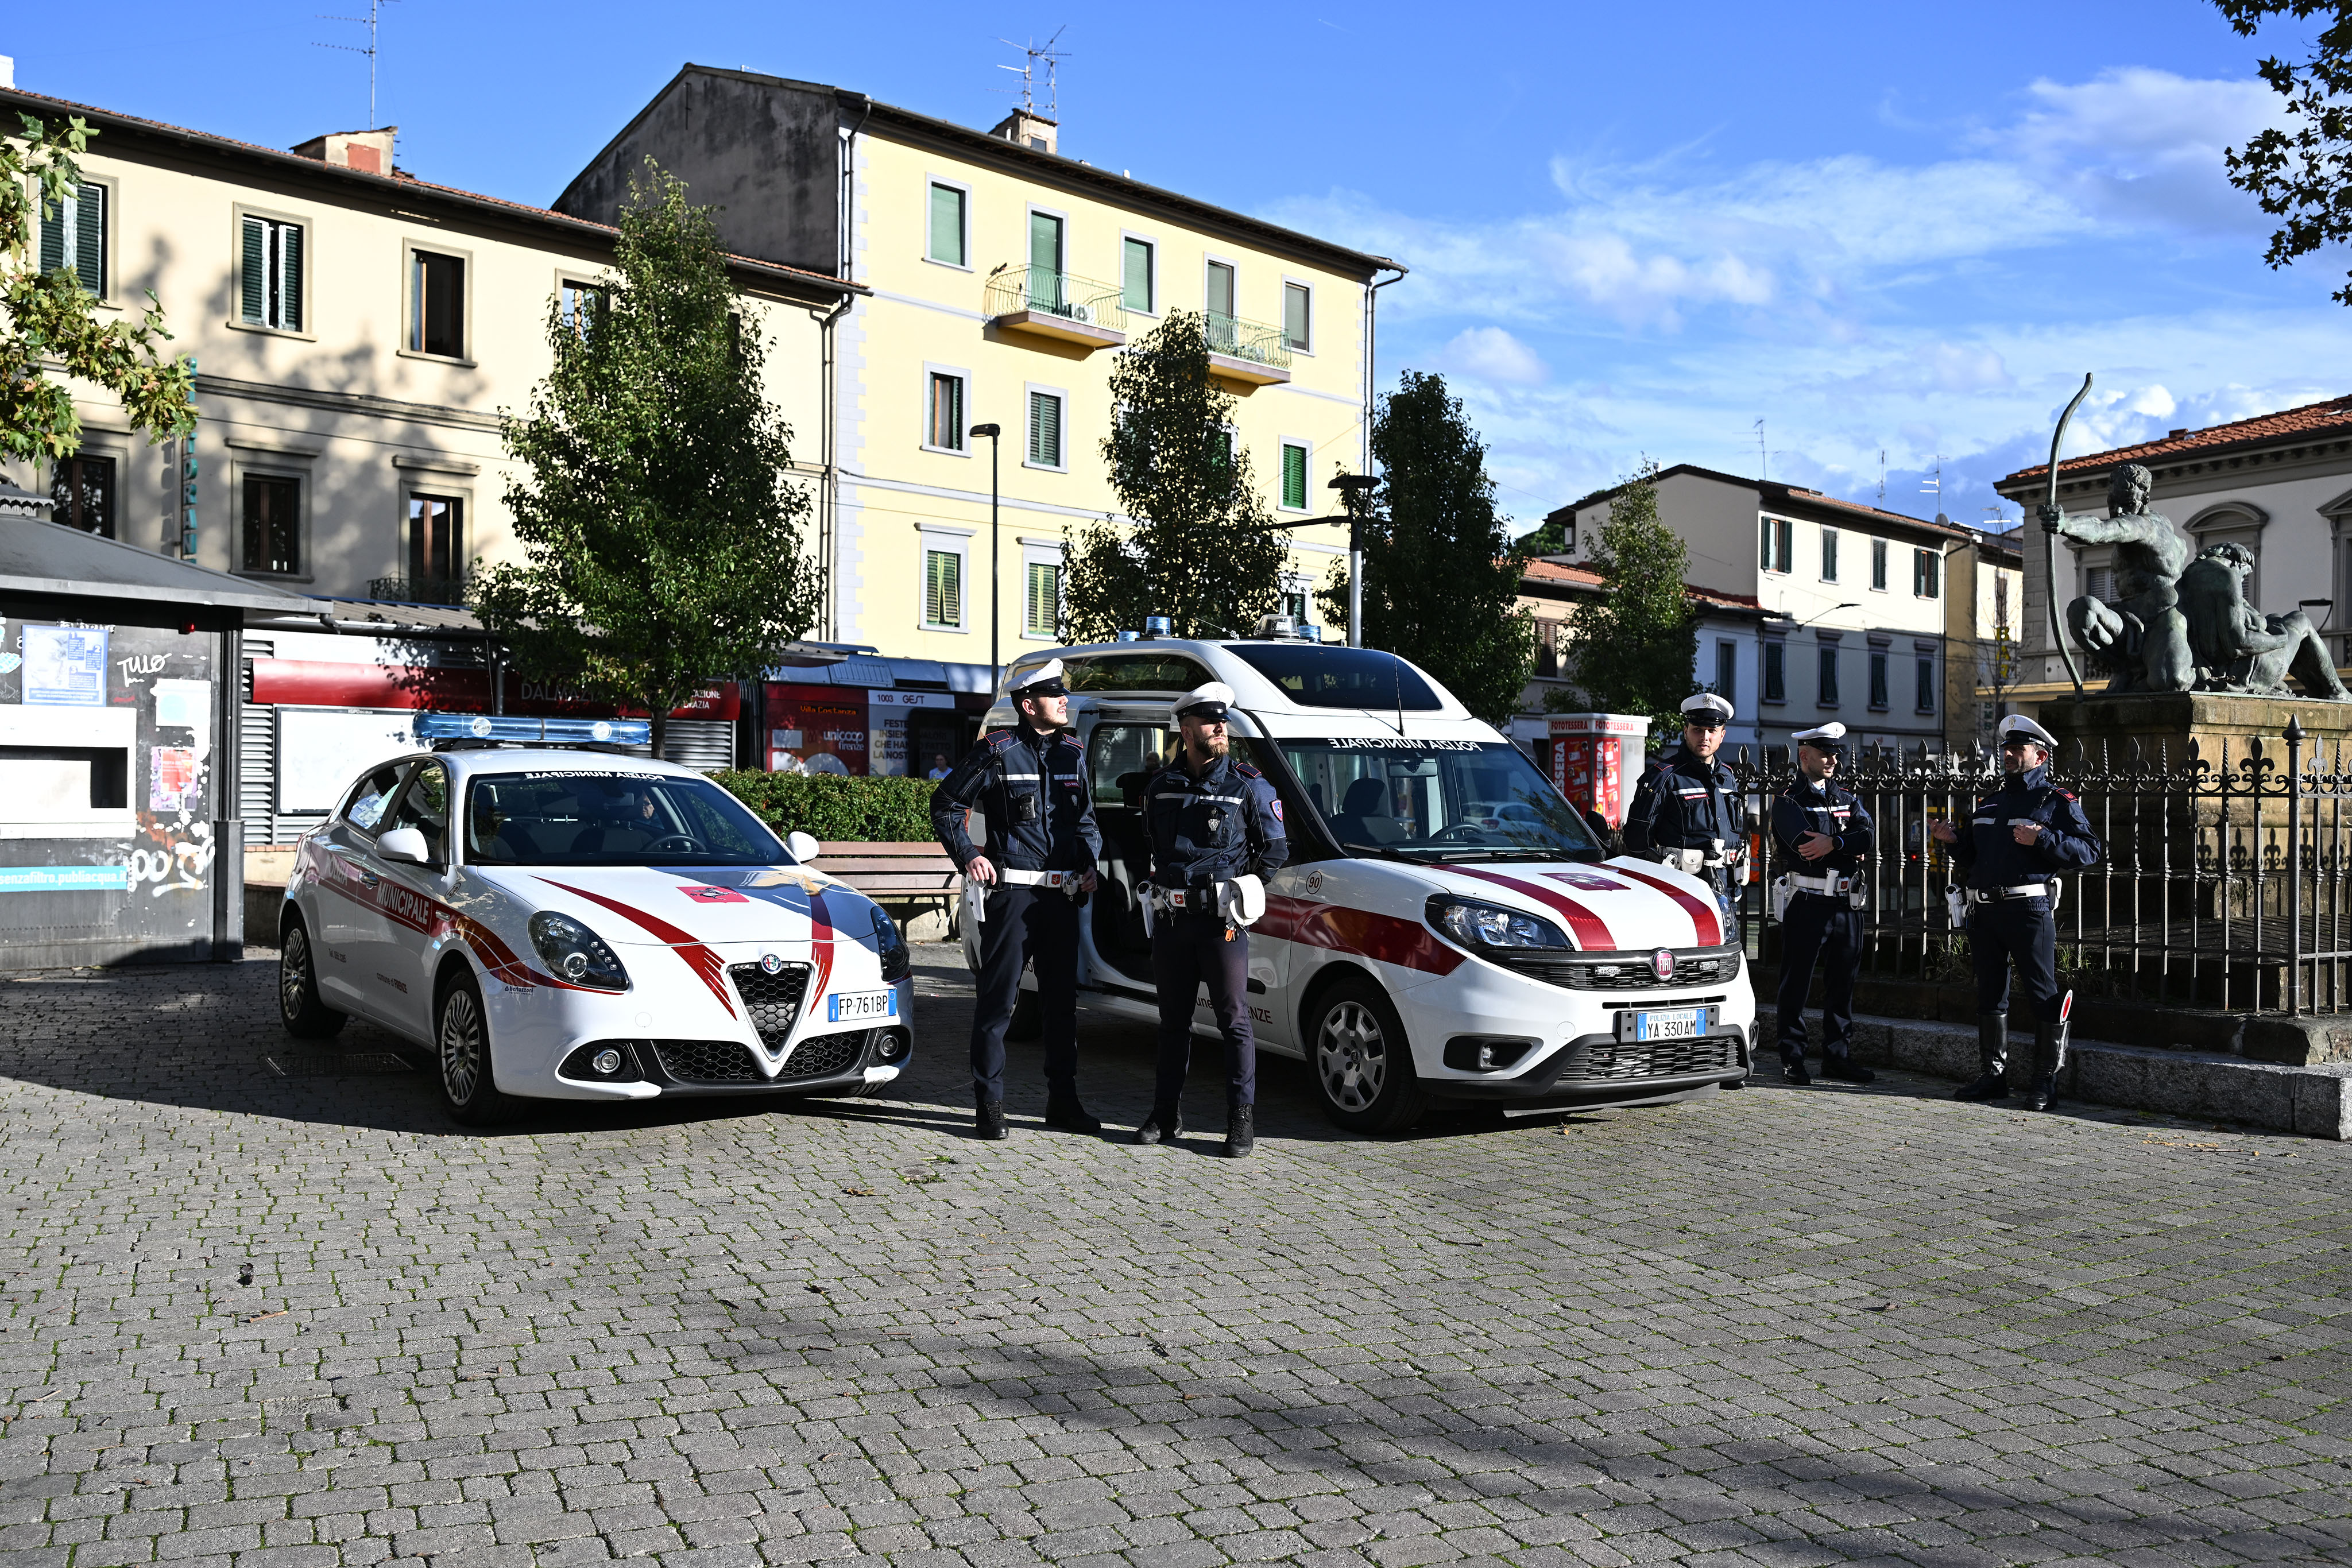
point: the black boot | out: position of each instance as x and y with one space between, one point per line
2049 1060
1241 1130
1846 1070
1161 1126
988 1121
1792 1068
1063 1111
1993 1057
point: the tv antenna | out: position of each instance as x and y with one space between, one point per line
1882 476
370 21
1933 483
1033 52
1761 463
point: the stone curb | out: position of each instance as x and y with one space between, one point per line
2312 1101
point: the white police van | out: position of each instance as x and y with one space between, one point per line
1447 928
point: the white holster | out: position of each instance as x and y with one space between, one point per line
1955 904
1778 895
1241 900
1690 861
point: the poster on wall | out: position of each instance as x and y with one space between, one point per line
65 666
817 729
891 714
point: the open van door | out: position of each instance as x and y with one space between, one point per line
1125 743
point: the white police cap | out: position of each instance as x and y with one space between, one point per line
1204 702
1703 702
1829 737
1027 682
2018 724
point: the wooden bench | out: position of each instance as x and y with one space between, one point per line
901 874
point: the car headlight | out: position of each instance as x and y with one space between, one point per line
897 959
1485 925
577 955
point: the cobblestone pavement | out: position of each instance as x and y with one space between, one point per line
289 1321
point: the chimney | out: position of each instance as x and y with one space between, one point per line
7 70
1027 129
369 152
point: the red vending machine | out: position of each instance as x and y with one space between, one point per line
1596 760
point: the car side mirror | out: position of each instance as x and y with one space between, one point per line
801 847
404 844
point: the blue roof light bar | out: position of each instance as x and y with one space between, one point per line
496 727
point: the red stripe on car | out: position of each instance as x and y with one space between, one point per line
1591 931
819 943
697 957
1706 920
1358 931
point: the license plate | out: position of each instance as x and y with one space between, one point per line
1682 1023
842 1008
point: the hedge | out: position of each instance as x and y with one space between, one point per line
835 809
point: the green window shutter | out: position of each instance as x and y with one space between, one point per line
1293 477
947 226
1033 601
1135 279
943 589
89 238
1294 315
1044 244
1042 616
253 285
1046 430
290 277
53 237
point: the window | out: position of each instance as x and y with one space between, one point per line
424 806
1297 307
1829 555
1044 262
1726 669
1828 696
1041 613
1777 544
1999 601
1044 430
942 587
81 494
943 421
1218 292
270 280
271 528
580 304
1294 605
1927 684
2099 582
948 230
1135 274
436 547
1548 648
1878 678
363 808
73 237
436 304
1776 685
1294 477
1878 565
1927 573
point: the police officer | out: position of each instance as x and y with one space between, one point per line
2019 839
1216 828
1030 784
1685 811
1823 834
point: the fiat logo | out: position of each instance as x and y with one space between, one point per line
771 965
1662 964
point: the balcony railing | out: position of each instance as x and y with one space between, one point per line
418 589
1253 340
1081 302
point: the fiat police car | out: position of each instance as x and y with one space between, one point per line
580 925
1447 927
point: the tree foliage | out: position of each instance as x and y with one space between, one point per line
2302 171
52 320
1203 551
1440 575
1636 645
661 536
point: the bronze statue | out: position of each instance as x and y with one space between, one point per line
2239 648
2143 637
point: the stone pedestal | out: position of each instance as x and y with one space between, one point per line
2170 720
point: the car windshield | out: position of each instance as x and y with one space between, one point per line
1437 799
608 817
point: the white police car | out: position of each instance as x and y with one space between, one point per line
575 924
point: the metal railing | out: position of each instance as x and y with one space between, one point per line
2226 881
1254 340
418 589
1083 302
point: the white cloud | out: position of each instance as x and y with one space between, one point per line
2142 146
1492 354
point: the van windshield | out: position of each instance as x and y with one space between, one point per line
1437 799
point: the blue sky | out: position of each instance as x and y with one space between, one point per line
1634 230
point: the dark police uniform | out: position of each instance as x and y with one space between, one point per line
1224 825
1684 804
2010 915
1821 923
1042 838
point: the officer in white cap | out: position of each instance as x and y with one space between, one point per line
1686 812
1216 828
1023 889
2018 840
1822 834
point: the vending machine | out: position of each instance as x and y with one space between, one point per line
1596 760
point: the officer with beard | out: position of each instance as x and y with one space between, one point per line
1687 815
1824 832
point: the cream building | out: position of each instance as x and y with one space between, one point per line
998 280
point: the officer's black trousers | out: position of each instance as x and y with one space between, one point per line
2022 929
1021 923
1188 947
1827 927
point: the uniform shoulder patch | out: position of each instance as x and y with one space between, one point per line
1275 805
2065 797
1246 771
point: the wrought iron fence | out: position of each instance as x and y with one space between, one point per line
419 590
1254 340
1080 300
2226 881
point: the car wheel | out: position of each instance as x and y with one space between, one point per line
461 1054
304 1015
1028 1021
1362 1062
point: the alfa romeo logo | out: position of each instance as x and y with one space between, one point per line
769 964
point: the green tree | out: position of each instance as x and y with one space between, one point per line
1203 551
52 320
1636 645
661 536
1441 574
2302 171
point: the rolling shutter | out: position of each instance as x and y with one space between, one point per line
707 744
947 224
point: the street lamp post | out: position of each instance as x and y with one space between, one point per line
995 444
1352 488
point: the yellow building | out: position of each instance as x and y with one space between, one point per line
1001 278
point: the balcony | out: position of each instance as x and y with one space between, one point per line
418 589
1055 304
1247 351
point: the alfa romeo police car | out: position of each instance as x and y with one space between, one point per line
574 925
1448 928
